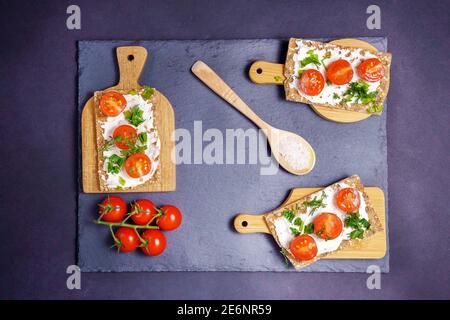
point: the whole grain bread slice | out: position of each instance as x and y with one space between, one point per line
353 181
292 94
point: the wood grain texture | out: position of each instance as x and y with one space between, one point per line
131 60
263 72
274 135
372 248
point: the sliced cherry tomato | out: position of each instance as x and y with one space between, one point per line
155 242
138 165
348 200
327 226
340 72
112 103
311 82
125 136
143 211
371 70
113 209
303 247
170 219
127 239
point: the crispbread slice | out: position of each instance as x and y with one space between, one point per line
292 94
353 181
100 141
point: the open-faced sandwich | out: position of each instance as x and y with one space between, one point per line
128 144
324 222
330 75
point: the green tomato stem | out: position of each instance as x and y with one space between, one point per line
122 224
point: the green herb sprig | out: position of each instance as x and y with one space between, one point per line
316 203
134 116
359 225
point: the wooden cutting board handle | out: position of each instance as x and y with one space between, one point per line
131 60
263 72
250 223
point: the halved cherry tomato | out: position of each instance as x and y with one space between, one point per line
113 209
143 211
171 218
112 103
348 200
124 136
327 226
155 242
303 247
127 239
371 70
340 72
311 82
138 165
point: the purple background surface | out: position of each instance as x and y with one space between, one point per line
38 135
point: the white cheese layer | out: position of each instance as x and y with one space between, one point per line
153 143
354 57
285 236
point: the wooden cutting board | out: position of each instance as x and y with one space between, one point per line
372 248
263 72
131 60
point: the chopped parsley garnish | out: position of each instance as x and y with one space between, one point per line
295 231
108 144
299 222
115 163
359 225
359 90
278 78
289 214
328 82
147 93
134 116
325 57
142 137
335 96
311 58
375 108
122 181
133 92
316 203
309 228
132 149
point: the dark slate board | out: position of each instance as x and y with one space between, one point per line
211 195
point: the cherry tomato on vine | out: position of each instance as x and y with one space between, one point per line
112 103
371 70
311 82
303 247
155 242
348 200
143 211
124 136
113 209
327 226
138 165
127 239
170 218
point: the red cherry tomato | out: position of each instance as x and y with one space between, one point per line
112 103
348 200
155 242
113 209
303 247
125 136
327 226
170 219
138 165
143 211
340 72
371 70
128 239
311 82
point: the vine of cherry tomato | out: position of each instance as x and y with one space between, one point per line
143 215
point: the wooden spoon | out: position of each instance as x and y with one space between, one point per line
279 140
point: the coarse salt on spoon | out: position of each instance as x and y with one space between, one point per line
291 151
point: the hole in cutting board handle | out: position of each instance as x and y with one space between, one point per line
244 223
259 71
130 57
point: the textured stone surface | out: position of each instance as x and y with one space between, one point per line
211 195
